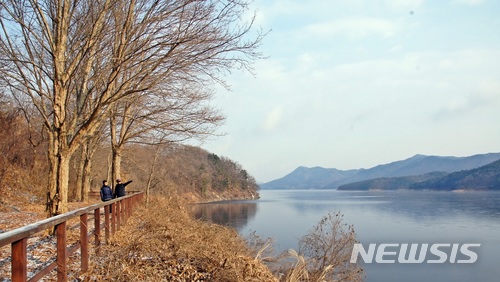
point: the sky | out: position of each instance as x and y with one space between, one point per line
351 84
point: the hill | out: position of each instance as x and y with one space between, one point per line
483 178
331 178
391 183
194 173
307 178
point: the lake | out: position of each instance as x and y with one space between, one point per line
380 217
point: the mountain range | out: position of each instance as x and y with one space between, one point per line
417 172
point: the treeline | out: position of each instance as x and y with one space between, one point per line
23 165
391 183
189 171
486 177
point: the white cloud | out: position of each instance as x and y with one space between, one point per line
404 4
273 119
470 2
353 28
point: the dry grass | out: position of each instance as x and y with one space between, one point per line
324 254
163 243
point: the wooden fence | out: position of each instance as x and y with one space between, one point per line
115 214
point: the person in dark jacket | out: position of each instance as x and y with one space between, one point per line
106 192
120 188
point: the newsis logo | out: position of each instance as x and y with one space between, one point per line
415 253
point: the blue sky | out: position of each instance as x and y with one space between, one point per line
356 83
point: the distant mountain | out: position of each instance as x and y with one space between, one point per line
421 164
483 178
391 183
308 178
331 178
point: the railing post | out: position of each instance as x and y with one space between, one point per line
107 210
84 243
118 214
123 205
129 207
125 211
62 271
19 260
97 228
113 217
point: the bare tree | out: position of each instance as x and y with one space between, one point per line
149 168
327 251
76 59
161 117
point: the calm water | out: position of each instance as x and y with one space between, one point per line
380 217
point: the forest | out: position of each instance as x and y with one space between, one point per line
165 169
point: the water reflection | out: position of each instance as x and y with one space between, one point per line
235 214
413 204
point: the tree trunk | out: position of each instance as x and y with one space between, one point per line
80 174
110 168
57 196
84 173
57 201
52 202
116 150
63 181
86 179
151 173
116 163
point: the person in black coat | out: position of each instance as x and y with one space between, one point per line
106 192
120 188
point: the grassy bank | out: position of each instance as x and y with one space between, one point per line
162 242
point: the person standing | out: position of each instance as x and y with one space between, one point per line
106 192
120 188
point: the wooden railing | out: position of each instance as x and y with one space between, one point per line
115 213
